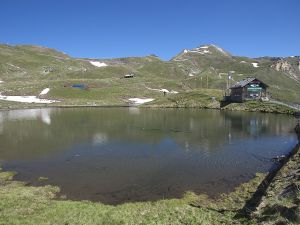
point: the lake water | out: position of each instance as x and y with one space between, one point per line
116 155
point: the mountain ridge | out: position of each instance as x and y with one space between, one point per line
203 67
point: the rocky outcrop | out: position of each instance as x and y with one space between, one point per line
289 68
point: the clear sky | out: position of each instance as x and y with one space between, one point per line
116 28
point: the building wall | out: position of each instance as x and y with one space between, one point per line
237 94
253 90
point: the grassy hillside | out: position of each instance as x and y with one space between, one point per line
26 70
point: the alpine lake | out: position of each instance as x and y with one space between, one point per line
117 155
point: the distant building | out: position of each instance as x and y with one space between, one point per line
129 75
248 89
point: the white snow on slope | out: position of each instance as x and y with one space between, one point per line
1 81
25 99
200 51
205 46
13 65
28 99
220 49
140 100
45 91
163 90
98 64
255 65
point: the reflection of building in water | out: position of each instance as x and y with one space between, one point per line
252 124
193 130
255 127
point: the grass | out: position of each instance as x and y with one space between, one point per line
281 204
256 106
22 70
198 98
23 204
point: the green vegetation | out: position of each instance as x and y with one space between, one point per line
255 106
281 205
200 81
26 70
22 204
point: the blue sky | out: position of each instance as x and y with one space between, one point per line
117 28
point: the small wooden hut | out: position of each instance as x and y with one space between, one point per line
248 89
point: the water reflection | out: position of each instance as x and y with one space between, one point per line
22 132
127 154
100 138
28 114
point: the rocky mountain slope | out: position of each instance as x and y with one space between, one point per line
26 70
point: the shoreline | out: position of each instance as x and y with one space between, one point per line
37 204
247 204
227 207
249 106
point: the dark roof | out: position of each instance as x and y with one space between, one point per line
246 81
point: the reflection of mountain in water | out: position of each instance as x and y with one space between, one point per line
29 134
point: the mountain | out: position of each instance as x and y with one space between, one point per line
26 70
289 66
206 51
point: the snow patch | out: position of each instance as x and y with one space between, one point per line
255 65
45 91
243 62
1 81
220 49
26 99
205 46
163 90
191 75
200 51
13 65
185 51
140 100
98 64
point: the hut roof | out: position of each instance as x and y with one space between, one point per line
246 81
